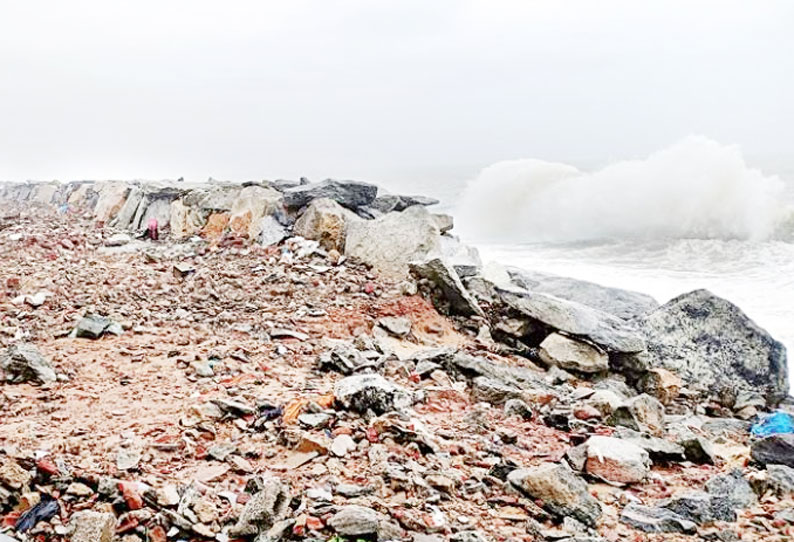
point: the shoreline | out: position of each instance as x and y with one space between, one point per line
604 407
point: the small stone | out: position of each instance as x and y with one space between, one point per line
314 421
23 363
616 460
351 491
12 475
342 444
642 413
221 450
781 479
561 351
354 520
90 526
399 326
91 326
127 458
371 392
267 506
662 384
167 495
118 240
79 490
734 488
517 407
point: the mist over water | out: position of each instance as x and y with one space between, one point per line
693 215
696 188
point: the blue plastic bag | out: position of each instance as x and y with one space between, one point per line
776 423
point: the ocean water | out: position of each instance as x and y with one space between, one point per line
694 215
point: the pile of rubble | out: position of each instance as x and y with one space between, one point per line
293 361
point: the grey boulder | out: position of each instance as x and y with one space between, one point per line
774 449
546 313
350 194
624 304
655 520
24 363
714 347
561 491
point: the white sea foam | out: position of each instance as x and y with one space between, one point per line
696 188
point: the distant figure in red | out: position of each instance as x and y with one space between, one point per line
153 229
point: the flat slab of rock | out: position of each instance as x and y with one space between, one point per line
616 460
350 194
624 304
714 347
655 520
562 492
389 202
574 355
610 332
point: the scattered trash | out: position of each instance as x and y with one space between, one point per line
43 511
777 423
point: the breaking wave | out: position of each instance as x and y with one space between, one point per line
696 188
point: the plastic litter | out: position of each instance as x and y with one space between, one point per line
776 423
43 511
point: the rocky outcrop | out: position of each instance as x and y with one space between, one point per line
624 304
391 242
715 348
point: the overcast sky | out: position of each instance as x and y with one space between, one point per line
362 88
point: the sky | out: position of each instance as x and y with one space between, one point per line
241 90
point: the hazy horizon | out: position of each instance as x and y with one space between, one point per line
351 89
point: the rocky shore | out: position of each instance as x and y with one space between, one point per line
321 361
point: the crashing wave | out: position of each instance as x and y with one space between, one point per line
696 188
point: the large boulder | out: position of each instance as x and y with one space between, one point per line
326 221
350 194
624 304
112 196
250 206
543 314
715 348
559 489
391 242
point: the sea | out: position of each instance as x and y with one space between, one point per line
697 214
